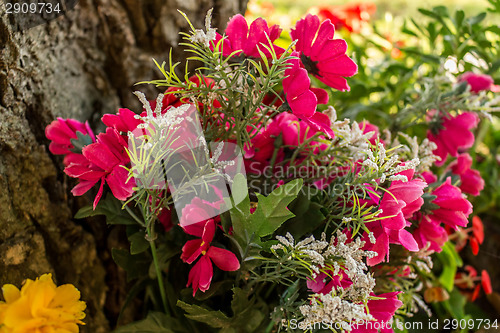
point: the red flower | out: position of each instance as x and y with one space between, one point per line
430 233
402 201
477 82
105 161
350 16
320 54
454 209
302 99
366 127
173 99
261 147
478 229
454 135
61 132
382 310
165 218
200 276
471 181
241 39
486 282
196 213
466 283
124 121
474 235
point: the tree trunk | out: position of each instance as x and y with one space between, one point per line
80 65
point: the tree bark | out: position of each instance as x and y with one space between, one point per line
80 65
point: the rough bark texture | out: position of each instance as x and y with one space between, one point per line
81 65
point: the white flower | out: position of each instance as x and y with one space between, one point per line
203 37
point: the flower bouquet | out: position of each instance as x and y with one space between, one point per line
251 205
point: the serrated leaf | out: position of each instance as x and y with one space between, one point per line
155 322
81 141
109 207
272 210
215 319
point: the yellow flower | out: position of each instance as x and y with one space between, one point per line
41 307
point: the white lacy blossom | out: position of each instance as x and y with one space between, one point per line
332 308
341 305
203 37
424 151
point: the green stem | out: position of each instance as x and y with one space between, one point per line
269 327
159 277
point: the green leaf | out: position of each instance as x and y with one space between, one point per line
138 243
155 322
455 304
138 286
459 18
441 11
135 265
428 13
450 261
81 141
215 319
308 216
246 316
476 19
111 208
272 210
240 211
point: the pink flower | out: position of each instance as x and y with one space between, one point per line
477 82
321 55
429 177
303 100
430 233
366 127
351 16
61 132
200 276
196 213
261 147
470 179
382 310
454 209
402 201
165 218
296 87
105 161
321 286
241 39
453 135
124 121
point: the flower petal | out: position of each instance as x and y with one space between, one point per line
224 259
